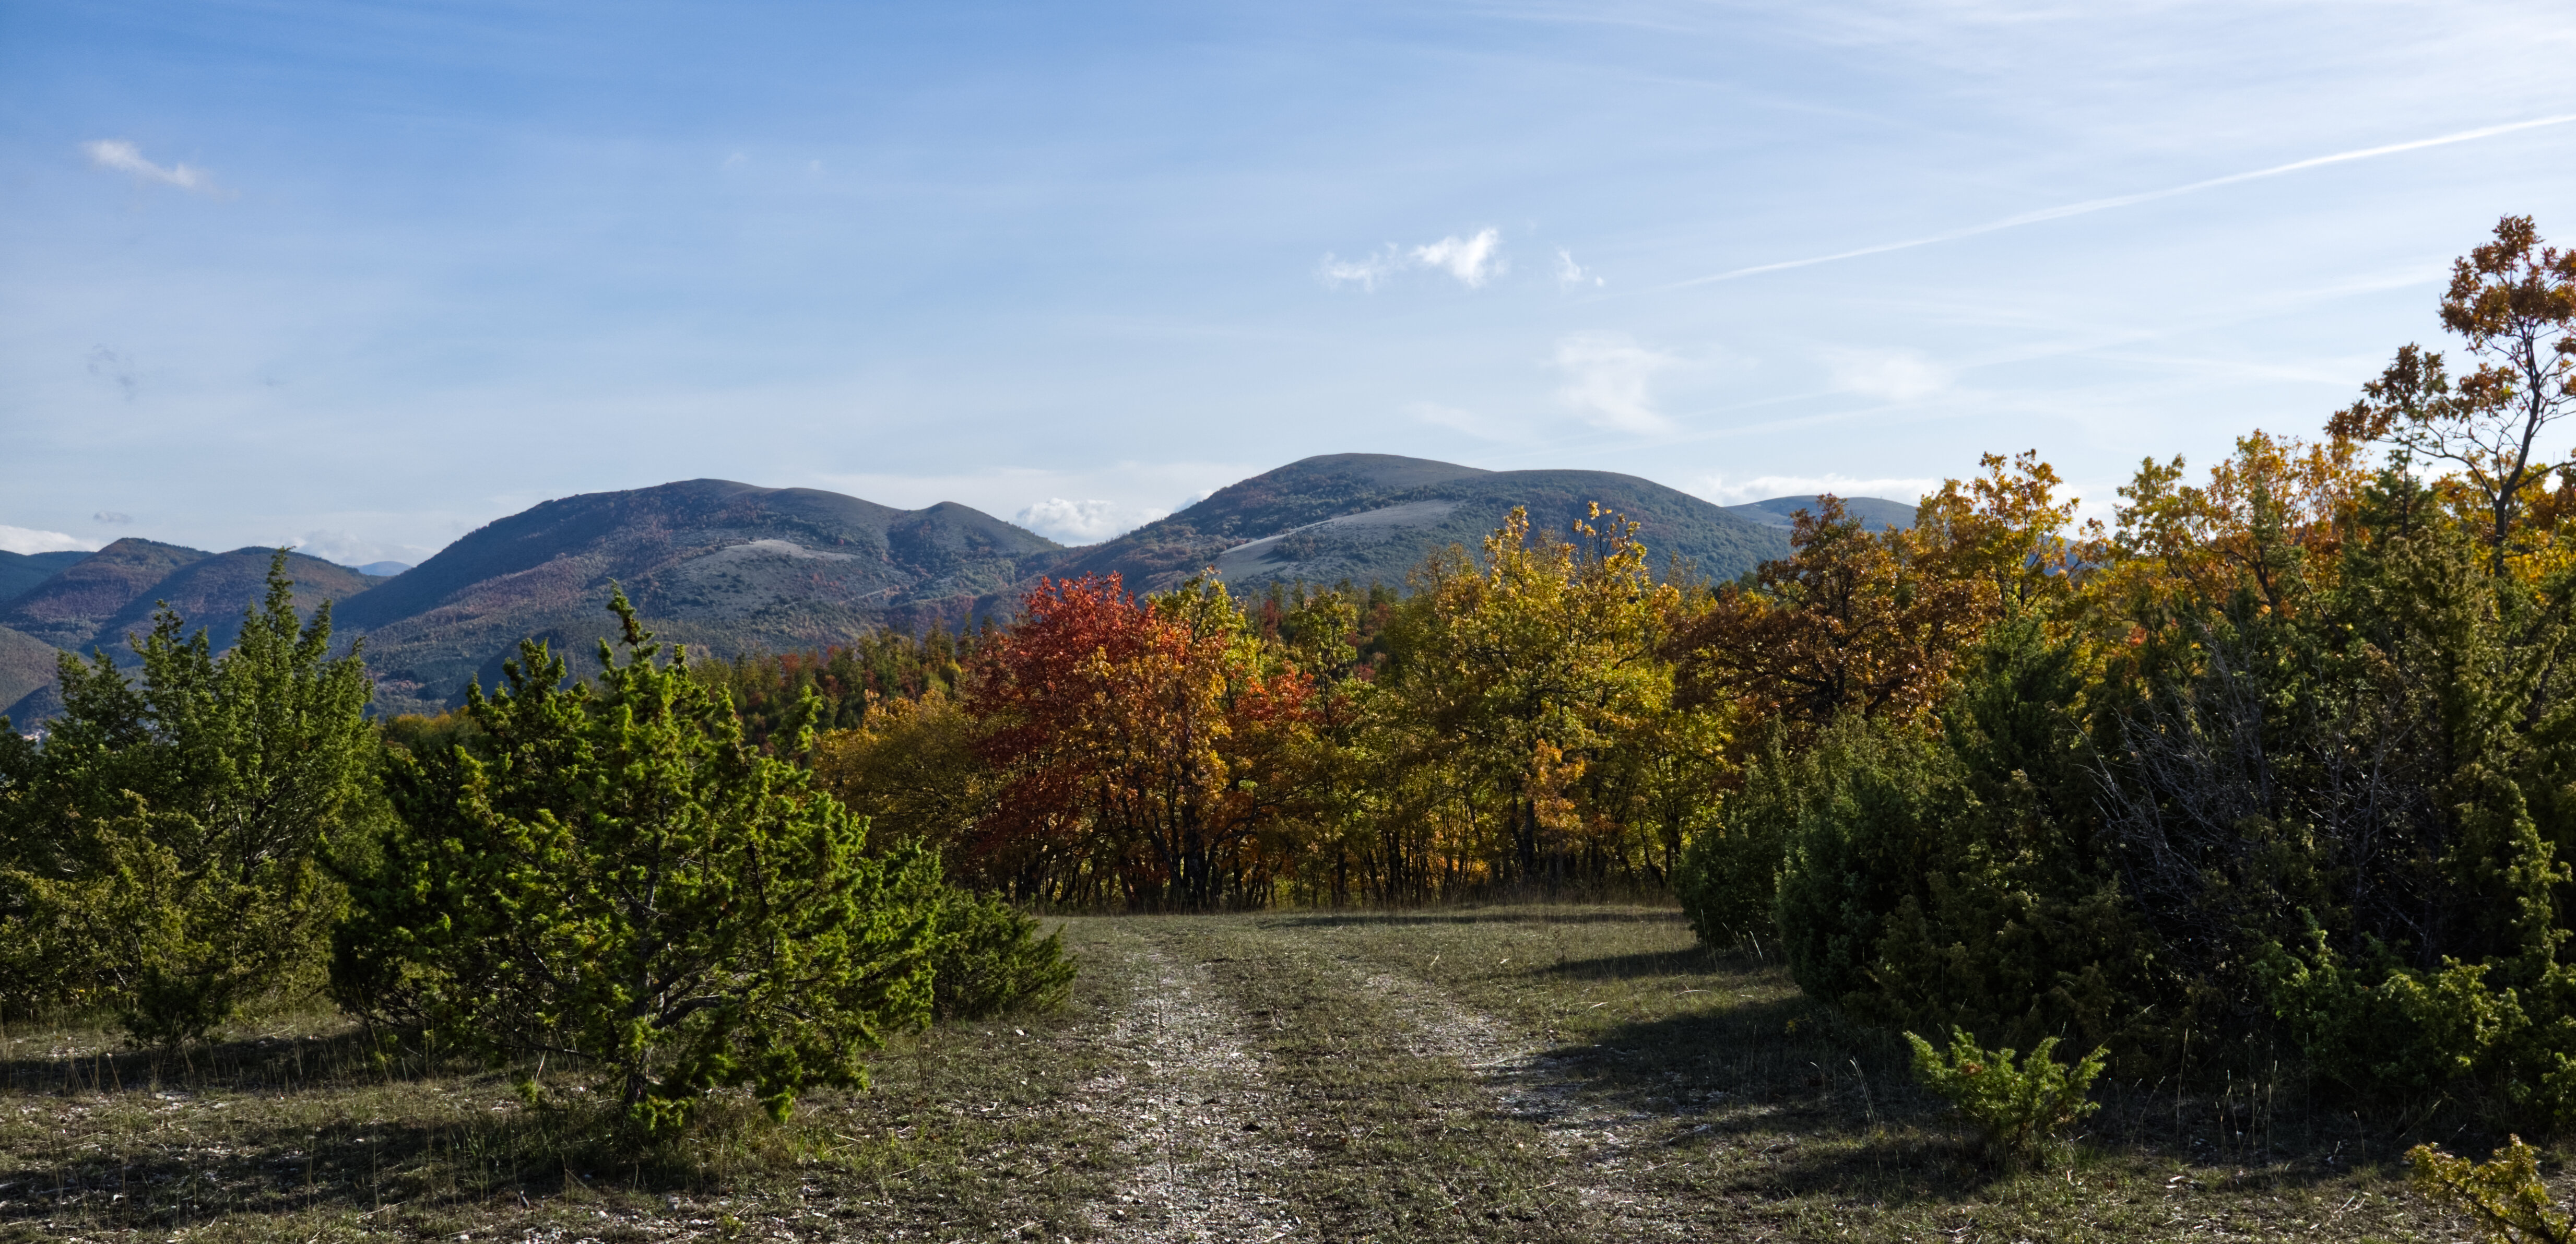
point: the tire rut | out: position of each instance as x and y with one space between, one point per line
1600 1137
1189 1109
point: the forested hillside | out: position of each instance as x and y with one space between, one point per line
1371 518
22 571
723 567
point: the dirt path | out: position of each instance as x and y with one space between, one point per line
1198 1077
1601 1137
1189 1110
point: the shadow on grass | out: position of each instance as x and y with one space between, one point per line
1504 915
1833 1109
1693 961
266 1064
280 1170
137 1180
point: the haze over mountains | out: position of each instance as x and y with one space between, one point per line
727 567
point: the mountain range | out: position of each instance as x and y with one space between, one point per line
727 567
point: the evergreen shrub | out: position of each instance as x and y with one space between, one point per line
613 876
988 960
2018 1111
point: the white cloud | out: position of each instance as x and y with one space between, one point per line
1724 491
1365 273
125 157
30 540
347 548
1888 375
1472 261
1083 522
1609 381
1570 274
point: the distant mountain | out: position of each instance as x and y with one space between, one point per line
1781 512
718 565
210 590
69 609
727 567
26 664
383 570
213 591
1373 517
20 572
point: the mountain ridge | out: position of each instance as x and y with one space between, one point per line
726 567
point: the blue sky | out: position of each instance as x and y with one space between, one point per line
362 277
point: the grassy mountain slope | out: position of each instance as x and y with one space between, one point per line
213 592
1307 491
1367 517
21 572
718 565
208 590
1781 512
26 665
71 609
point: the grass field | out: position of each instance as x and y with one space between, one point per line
1545 1073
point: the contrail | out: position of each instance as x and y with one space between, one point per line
2097 205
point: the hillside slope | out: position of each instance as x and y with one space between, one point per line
20 572
1373 517
26 665
71 609
1781 512
718 565
212 593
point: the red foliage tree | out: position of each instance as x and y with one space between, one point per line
1145 745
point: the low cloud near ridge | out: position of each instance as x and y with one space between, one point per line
1724 491
1083 522
30 540
124 157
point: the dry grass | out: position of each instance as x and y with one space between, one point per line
1505 1073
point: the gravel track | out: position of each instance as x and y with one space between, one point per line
1189 1109
1601 1138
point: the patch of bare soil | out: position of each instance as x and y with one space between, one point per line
1190 1109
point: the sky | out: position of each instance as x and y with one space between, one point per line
362 277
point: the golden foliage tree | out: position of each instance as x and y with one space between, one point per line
2512 304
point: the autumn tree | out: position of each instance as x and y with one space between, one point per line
2512 304
911 766
1853 620
1528 682
1146 744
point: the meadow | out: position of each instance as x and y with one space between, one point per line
1534 1072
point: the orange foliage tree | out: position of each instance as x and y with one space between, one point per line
1144 746
1850 621
2512 303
